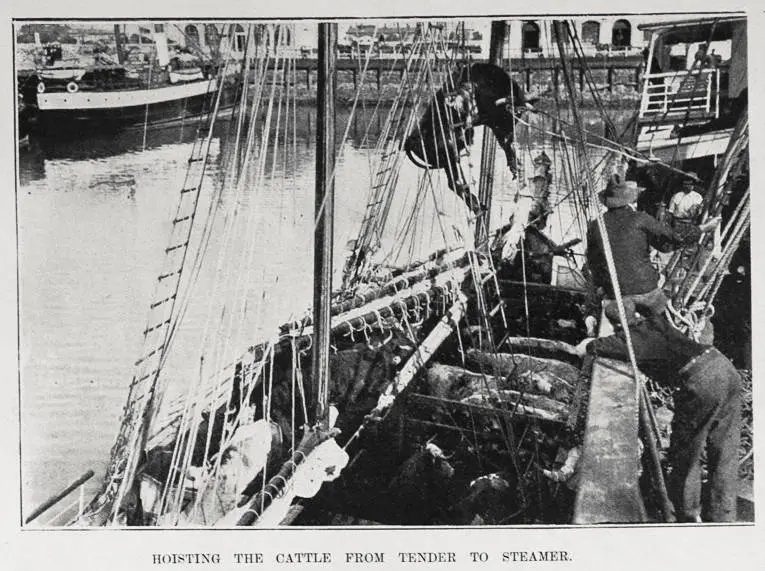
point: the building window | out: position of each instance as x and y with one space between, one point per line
192 35
134 39
621 36
591 32
212 36
530 36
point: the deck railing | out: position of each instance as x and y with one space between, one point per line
694 94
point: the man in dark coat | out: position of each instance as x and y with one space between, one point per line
707 413
631 235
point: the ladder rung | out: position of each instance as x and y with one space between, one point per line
171 248
488 277
499 306
190 189
149 355
179 220
158 303
195 159
147 375
157 326
165 276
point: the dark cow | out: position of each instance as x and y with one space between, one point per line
489 500
421 490
482 94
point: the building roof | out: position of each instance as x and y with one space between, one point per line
694 30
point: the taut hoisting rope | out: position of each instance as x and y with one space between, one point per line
640 392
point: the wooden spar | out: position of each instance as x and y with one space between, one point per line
546 346
392 288
513 409
457 383
642 397
388 305
489 147
277 485
426 349
54 499
608 490
118 44
324 234
442 330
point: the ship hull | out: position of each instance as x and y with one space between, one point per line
74 114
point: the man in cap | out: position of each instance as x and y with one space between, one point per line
632 234
685 205
707 412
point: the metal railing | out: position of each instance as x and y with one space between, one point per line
691 93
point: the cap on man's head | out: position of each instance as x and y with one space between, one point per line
692 177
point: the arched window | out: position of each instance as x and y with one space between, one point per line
134 39
621 36
240 38
530 36
192 35
591 32
212 36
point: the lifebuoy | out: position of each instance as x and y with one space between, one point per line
72 87
41 87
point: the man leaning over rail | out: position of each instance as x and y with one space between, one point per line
707 412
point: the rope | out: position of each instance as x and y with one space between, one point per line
146 111
608 254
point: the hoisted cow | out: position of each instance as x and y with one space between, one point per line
484 94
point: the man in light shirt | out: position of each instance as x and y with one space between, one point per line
686 204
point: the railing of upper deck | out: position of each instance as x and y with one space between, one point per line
679 95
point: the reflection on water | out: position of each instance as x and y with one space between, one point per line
94 217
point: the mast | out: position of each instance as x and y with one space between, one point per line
324 233
118 43
489 147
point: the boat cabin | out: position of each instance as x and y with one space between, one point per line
694 80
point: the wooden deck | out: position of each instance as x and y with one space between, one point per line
609 468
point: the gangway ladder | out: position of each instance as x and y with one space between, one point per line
161 310
484 280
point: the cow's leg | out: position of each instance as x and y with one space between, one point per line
505 137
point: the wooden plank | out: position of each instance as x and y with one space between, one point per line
609 468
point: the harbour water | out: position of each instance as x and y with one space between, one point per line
94 218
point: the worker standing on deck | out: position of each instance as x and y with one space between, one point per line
707 413
685 205
631 234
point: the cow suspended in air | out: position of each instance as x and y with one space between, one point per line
483 94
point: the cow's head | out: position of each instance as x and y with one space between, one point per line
439 461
